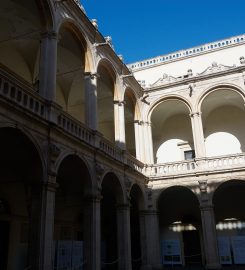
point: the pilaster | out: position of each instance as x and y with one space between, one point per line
150 240
124 243
210 242
198 136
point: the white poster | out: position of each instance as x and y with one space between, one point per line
238 247
224 250
171 252
63 254
77 255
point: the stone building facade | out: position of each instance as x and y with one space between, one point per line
113 166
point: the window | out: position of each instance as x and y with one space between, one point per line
190 154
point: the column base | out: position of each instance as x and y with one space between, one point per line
213 266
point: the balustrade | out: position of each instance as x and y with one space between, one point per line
197 165
24 96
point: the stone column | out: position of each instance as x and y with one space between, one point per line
123 232
92 239
48 65
148 143
42 211
198 136
91 110
150 240
119 118
209 229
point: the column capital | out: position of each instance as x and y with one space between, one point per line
49 35
119 102
193 114
139 122
206 206
91 75
50 186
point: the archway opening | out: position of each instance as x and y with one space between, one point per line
136 202
105 100
230 221
20 27
129 114
172 132
180 225
70 72
21 175
111 197
223 116
70 210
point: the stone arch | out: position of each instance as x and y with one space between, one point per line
137 204
115 185
131 114
160 192
166 98
113 198
72 205
68 153
80 35
106 97
47 13
180 223
140 194
23 172
220 105
217 87
231 189
171 129
30 137
73 59
20 46
114 74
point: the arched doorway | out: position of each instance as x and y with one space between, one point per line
20 197
129 114
223 116
21 23
137 205
112 196
70 234
71 56
228 201
172 132
180 224
105 100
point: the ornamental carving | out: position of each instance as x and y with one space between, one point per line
215 68
165 79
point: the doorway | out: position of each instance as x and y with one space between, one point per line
4 240
192 248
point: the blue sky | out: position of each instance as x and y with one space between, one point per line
141 29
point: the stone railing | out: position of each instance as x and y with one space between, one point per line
24 96
201 165
188 52
134 163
